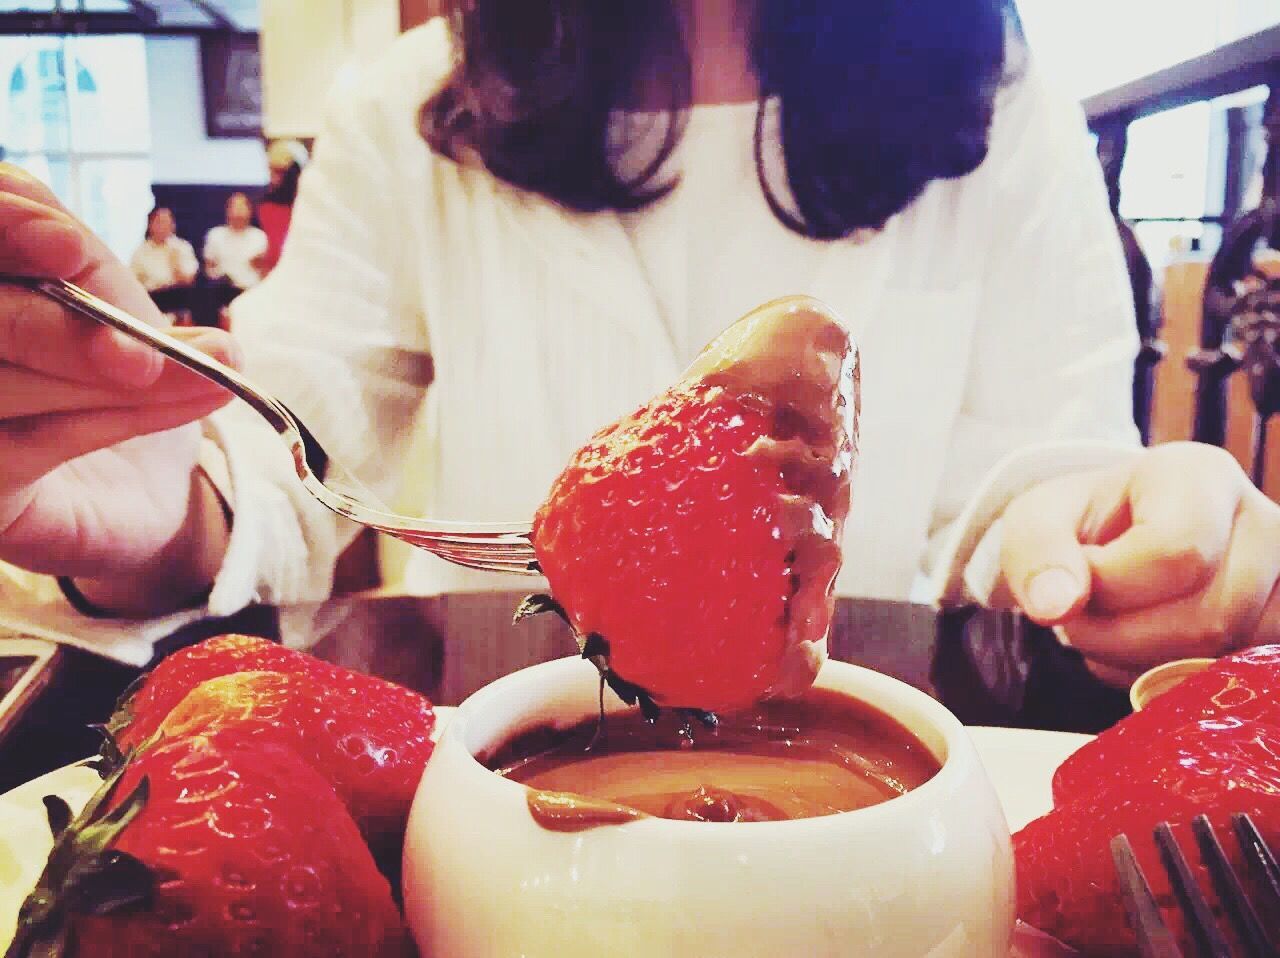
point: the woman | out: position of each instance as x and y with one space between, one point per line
562 220
285 160
236 251
164 260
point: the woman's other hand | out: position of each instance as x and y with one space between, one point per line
96 478
1175 555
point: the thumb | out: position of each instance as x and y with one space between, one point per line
1043 564
213 341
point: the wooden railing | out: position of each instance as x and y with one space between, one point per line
1218 320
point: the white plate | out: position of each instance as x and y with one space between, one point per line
1020 762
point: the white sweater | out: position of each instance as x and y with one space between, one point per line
993 315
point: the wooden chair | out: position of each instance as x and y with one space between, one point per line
1222 317
1173 411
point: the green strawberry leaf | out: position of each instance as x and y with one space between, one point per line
116 882
538 604
123 713
595 646
632 694
708 720
59 813
85 874
109 758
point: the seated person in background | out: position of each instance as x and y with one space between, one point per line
236 251
165 259
285 160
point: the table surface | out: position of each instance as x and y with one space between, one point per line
989 668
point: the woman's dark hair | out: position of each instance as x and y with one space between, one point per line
151 219
876 99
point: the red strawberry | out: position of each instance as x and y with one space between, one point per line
141 713
694 544
1066 879
370 742
210 846
1244 686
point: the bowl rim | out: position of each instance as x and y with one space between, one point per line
959 768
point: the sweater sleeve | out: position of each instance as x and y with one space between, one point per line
329 334
1049 388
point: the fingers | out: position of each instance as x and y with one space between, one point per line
1183 509
1229 613
1043 563
38 334
1116 678
46 420
16 180
24 393
38 237
1238 597
1135 641
1268 630
37 445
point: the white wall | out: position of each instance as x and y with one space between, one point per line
181 152
308 46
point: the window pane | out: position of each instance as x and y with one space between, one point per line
115 196
1166 169
107 91
1093 45
87 94
33 97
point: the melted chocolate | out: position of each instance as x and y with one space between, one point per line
794 358
818 754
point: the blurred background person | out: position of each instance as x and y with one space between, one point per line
285 160
236 251
166 264
235 255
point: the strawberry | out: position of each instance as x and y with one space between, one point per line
1066 878
210 845
369 738
146 704
369 741
694 544
1244 686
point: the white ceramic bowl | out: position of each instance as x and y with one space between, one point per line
1163 678
928 873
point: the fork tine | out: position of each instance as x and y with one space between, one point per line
1230 892
1195 908
488 565
1154 938
1262 864
479 555
478 544
472 549
486 541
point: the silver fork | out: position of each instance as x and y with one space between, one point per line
1250 903
492 547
